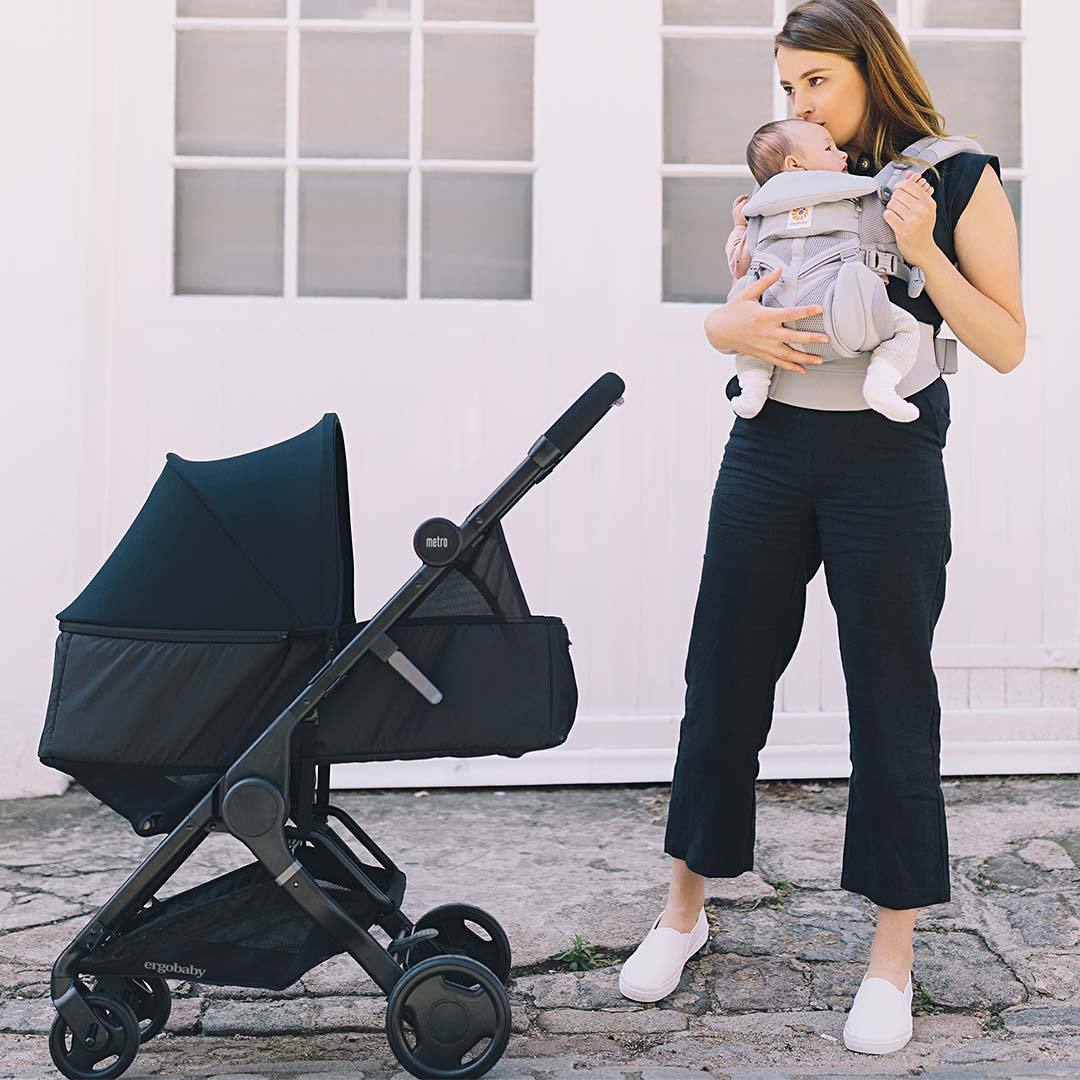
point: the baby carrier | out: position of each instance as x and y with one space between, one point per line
205 681
822 227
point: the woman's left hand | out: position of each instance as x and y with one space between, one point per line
911 213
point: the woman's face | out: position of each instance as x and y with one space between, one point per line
824 88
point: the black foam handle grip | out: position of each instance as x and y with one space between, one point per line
586 412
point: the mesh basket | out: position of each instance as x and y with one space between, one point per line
241 929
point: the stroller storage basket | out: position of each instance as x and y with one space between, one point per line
241 929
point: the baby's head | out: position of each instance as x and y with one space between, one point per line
782 145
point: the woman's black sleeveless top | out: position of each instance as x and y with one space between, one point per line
959 175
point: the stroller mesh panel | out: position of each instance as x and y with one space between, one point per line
455 594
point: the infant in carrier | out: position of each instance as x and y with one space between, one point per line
785 146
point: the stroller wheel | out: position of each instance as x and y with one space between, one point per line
448 1016
150 1000
457 938
106 1061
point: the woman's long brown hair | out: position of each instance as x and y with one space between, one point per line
899 107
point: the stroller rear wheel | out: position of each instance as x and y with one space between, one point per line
120 1042
150 1000
441 1011
456 937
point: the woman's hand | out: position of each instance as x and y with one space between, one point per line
736 210
745 325
911 213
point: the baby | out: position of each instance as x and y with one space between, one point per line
782 146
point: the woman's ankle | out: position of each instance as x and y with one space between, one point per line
683 919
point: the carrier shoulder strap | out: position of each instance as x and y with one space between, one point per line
753 224
933 149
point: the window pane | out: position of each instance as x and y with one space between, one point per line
478 96
354 9
985 14
477 235
496 10
701 78
697 221
354 94
236 9
229 231
352 233
976 85
718 12
230 92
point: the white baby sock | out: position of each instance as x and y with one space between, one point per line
755 389
879 392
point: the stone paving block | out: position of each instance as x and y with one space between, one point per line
761 983
295 1016
21 910
596 989
636 1021
959 971
1047 854
26 1015
1036 1019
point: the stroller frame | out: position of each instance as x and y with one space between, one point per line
273 781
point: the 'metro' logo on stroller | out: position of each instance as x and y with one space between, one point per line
174 969
437 542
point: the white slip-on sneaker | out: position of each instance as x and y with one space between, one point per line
655 967
879 1021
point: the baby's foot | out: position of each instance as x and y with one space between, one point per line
754 392
879 392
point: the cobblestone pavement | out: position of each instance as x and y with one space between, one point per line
996 977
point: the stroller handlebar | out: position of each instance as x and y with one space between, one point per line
586 412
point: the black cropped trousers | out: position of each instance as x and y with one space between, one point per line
867 496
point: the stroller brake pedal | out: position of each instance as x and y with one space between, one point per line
405 940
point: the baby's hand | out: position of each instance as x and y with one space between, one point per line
922 182
736 209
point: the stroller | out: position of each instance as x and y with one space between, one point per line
209 676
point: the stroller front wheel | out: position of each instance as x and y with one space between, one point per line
79 1062
440 1011
149 998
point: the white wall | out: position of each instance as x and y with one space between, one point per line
52 339
107 372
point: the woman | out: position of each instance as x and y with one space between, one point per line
866 495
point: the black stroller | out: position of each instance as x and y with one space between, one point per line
205 681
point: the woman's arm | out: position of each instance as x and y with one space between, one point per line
981 301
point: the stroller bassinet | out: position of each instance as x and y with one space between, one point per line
230 589
210 674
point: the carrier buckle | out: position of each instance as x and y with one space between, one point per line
881 260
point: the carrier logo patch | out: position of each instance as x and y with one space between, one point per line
800 217
174 969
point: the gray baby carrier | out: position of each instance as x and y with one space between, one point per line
827 232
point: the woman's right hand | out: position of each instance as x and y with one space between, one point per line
745 325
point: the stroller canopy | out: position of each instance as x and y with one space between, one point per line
260 541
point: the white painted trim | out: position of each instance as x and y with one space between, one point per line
355 164
633 749
655 766
1065 655
355 26
291 240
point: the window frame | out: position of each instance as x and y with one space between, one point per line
292 163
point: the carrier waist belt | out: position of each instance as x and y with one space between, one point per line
837 384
